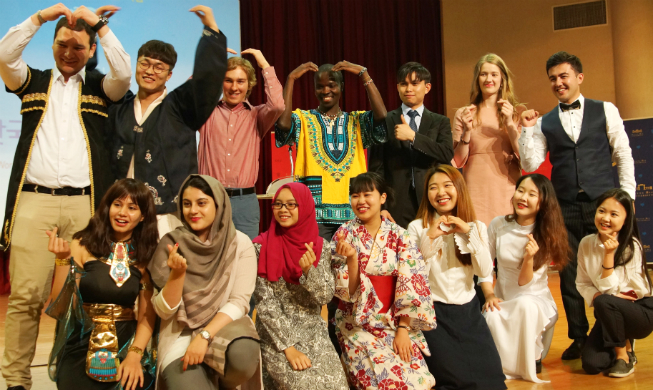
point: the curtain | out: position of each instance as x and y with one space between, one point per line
378 34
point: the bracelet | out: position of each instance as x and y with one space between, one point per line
146 286
362 71
134 348
40 18
465 143
604 267
404 327
368 82
61 261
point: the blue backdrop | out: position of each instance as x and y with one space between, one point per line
137 22
640 132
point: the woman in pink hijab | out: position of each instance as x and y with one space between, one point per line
294 282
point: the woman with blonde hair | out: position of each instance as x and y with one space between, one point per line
485 138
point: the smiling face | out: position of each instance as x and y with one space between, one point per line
147 78
610 217
199 211
489 79
71 50
285 217
526 200
565 83
367 204
412 92
443 195
125 215
235 86
327 91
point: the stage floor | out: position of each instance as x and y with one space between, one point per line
563 375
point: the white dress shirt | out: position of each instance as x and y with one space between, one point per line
418 119
533 145
452 282
60 156
623 279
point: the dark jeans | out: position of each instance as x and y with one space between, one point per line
246 215
327 231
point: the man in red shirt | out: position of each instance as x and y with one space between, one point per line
230 141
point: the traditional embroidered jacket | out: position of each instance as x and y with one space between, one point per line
92 108
164 147
327 157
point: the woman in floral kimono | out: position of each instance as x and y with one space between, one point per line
381 281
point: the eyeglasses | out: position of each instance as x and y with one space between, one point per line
288 206
157 68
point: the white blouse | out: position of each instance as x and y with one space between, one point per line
452 282
623 279
507 241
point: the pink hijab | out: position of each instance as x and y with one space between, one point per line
281 248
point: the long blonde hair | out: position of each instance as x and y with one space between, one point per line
506 90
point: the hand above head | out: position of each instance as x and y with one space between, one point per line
403 132
529 118
301 69
53 13
347 67
176 262
58 246
107 10
343 248
308 258
260 59
206 16
531 248
458 225
491 303
86 15
468 117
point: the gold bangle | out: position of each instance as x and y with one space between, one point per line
62 261
146 286
134 348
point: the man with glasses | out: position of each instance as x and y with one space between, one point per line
154 130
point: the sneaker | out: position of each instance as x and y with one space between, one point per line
621 369
538 366
632 357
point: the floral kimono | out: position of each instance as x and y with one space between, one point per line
392 271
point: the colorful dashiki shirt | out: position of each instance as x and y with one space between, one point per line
366 333
328 155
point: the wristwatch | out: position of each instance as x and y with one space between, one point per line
206 335
103 22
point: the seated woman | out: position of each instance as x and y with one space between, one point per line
520 310
205 271
100 341
294 281
611 276
381 281
455 247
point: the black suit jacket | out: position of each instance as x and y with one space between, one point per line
393 160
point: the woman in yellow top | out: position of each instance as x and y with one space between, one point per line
330 142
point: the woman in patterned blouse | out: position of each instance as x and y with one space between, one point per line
381 280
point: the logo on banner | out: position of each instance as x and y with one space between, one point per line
647 248
644 190
637 133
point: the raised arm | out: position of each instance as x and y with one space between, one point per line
532 143
378 107
284 123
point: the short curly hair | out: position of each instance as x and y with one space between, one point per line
245 65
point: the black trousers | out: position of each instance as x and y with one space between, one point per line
327 231
579 221
617 320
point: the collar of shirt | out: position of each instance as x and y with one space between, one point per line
241 106
142 116
405 109
81 75
581 99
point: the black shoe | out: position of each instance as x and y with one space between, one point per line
621 369
538 366
574 350
16 388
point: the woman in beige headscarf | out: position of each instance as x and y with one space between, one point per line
206 272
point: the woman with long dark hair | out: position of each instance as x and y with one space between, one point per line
205 271
455 247
612 277
98 279
520 310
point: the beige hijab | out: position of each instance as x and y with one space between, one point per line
209 264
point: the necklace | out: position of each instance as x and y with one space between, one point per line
330 118
119 260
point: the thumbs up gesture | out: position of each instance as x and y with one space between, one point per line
403 132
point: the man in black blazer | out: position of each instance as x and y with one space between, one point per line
420 140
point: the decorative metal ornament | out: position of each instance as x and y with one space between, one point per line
119 260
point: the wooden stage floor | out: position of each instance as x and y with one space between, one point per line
563 375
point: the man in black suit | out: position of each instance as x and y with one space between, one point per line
420 140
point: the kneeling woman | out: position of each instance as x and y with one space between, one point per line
99 340
294 282
455 247
612 277
206 271
520 311
381 281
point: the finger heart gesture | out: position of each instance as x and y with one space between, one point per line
176 262
308 258
343 248
531 248
57 245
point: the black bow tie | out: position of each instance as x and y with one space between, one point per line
573 106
